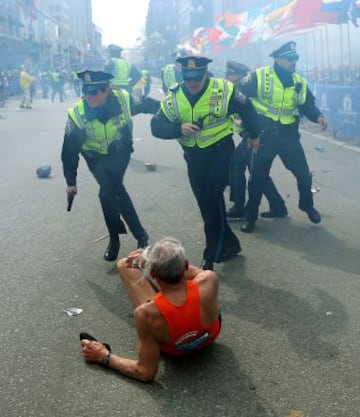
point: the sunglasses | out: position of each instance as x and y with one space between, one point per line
196 79
92 92
292 58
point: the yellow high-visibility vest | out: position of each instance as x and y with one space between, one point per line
169 77
121 73
100 136
210 113
275 101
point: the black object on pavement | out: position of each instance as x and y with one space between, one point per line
43 171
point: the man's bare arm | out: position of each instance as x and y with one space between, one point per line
192 272
144 368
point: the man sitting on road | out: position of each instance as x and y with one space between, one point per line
176 309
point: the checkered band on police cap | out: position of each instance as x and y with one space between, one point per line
94 77
288 50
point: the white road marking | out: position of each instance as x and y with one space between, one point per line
332 141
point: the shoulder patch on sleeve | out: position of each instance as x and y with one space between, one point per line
239 96
174 87
70 126
246 80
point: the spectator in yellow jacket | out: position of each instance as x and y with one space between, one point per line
25 83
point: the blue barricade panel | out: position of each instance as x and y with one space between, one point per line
341 106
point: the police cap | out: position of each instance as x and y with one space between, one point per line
287 51
114 48
236 68
92 80
193 66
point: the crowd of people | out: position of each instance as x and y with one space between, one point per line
176 304
27 82
53 84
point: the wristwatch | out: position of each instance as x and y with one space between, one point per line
105 360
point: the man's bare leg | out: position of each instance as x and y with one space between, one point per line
136 285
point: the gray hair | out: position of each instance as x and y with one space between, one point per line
165 259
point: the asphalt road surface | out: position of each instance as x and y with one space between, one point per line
290 342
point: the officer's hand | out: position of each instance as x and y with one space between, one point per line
189 129
255 143
71 189
322 122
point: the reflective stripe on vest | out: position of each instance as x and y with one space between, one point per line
100 136
121 73
209 112
55 76
275 101
169 76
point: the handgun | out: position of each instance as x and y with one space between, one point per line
70 200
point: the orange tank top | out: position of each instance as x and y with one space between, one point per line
188 333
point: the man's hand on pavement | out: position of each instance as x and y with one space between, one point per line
93 351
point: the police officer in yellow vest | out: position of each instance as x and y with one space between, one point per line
99 127
125 75
280 95
197 113
146 76
241 160
172 73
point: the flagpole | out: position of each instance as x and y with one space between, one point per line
327 46
342 46
349 43
322 47
306 53
313 36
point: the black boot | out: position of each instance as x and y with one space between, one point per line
314 215
248 227
112 249
236 212
230 251
207 265
274 213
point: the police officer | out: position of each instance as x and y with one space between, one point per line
242 159
171 73
143 86
146 76
197 113
99 127
57 84
125 75
279 95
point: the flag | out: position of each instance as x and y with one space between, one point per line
345 9
302 16
354 13
336 6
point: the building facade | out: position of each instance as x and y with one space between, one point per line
48 34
